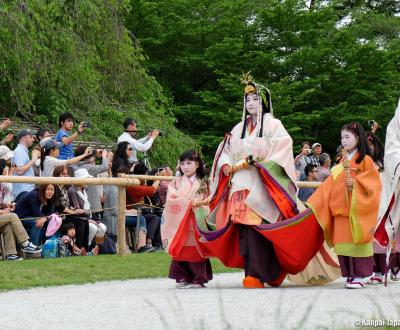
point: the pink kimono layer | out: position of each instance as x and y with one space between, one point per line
177 230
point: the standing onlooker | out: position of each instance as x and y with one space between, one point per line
95 192
311 176
66 123
143 144
110 201
41 135
23 164
316 152
49 161
300 161
324 170
377 150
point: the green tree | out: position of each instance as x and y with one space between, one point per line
326 63
77 56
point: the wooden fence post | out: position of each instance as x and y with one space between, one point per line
122 250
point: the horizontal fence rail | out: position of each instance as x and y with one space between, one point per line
122 182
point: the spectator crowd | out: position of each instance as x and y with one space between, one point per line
72 220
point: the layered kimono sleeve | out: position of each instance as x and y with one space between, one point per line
319 202
222 158
386 230
281 146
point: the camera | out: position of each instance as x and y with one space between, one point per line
308 151
160 134
371 122
87 124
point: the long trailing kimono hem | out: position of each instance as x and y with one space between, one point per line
287 236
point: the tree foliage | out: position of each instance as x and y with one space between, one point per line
325 62
78 56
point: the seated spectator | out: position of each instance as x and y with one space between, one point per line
76 215
23 164
37 204
13 229
12 226
131 219
311 173
66 123
161 195
49 157
300 161
41 135
67 243
6 188
78 198
137 195
62 204
324 170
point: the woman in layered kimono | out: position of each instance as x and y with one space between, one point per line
188 267
346 206
387 234
241 202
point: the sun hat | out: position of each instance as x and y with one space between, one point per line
6 153
82 173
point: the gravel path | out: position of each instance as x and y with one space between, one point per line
156 304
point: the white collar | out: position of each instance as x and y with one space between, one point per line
351 154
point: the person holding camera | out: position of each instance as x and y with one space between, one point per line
49 157
66 123
143 144
300 161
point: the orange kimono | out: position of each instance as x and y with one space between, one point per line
349 218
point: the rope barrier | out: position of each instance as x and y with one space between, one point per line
95 211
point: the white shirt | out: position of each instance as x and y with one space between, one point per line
143 144
50 163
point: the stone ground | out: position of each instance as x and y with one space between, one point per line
156 304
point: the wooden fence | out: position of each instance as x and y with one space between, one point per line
122 182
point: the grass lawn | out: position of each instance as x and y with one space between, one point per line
79 270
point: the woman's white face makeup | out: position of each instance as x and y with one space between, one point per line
349 140
252 104
189 167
